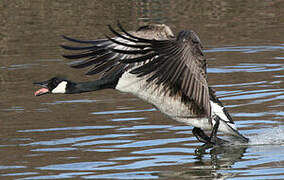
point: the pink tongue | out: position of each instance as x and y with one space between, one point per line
41 91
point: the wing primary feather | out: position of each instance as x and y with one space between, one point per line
148 66
144 51
177 73
171 68
162 46
199 88
202 95
139 59
121 36
191 87
153 77
150 69
194 91
164 70
130 35
101 67
168 71
78 56
77 48
85 54
159 71
84 63
178 68
115 69
163 66
127 45
85 41
186 82
92 60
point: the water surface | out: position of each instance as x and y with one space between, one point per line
112 135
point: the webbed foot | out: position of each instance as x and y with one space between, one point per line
212 140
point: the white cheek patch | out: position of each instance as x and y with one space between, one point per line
60 88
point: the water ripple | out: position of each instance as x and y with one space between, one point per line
79 166
67 128
128 119
254 94
21 66
59 176
154 142
102 142
246 49
126 175
145 162
72 101
123 111
146 127
248 67
75 139
12 167
164 150
54 149
240 84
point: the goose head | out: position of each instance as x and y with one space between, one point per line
54 85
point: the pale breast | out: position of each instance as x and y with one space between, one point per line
169 105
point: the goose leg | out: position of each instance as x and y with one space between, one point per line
213 137
201 136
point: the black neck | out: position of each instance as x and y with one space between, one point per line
81 87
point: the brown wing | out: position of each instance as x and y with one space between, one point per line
99 55
177 64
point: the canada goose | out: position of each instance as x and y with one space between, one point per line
151 63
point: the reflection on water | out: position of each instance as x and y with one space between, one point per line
112 135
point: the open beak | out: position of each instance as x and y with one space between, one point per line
43 90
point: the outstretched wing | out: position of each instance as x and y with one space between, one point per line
102 55
178 64
92 54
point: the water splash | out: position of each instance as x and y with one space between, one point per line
270 136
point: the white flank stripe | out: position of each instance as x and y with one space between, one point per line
218 110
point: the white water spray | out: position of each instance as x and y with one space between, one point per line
271 136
